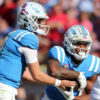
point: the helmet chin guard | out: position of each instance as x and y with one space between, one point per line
77 33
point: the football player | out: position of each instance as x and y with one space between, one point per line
74 56
20 50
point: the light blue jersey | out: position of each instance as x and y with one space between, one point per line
12 62
89 66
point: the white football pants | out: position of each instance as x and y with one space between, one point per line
7 92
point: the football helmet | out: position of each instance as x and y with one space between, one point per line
77 33
29 15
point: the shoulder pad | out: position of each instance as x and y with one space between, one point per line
27 39
95 64
58 53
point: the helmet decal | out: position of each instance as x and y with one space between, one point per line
23 9
83 31
73 31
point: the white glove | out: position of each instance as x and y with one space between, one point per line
80 92
69 95
82 81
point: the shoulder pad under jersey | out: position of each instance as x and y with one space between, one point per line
27 39
95 64
58 53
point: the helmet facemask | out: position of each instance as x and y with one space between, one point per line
71 48
40 28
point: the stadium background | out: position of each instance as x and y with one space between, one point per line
63 14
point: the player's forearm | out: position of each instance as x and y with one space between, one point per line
64 73
56 70
45 79
40 76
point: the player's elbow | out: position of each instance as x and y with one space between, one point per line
56 74
53 71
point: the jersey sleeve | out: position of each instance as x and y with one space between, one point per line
53 53
90 66
57 53
28 40
95 65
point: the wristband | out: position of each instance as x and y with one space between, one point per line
58 83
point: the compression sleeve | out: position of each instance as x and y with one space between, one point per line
30 54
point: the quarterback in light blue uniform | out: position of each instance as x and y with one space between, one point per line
20 50
68 57
12 62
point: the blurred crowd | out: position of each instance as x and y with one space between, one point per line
63 14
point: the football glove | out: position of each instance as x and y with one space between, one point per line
82 81
69 95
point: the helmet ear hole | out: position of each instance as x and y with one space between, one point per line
26 20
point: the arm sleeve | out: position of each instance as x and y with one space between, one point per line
30 54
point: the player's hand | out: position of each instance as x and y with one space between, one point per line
69 95
82 81
66 83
